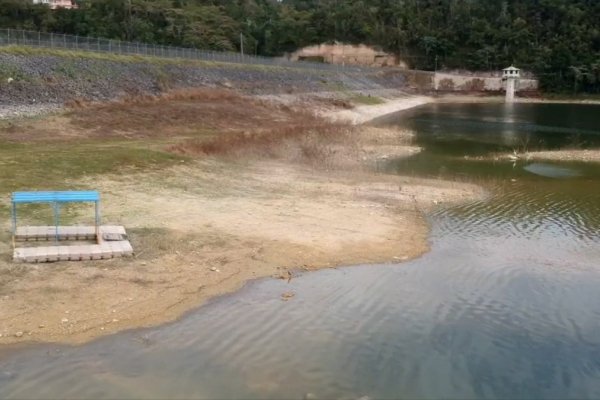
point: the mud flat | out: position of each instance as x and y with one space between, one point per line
209 203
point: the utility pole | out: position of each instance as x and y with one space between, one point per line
242 43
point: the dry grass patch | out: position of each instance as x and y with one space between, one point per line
301 137
197 122
231 124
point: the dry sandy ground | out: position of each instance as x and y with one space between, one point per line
365 113
208 225
264 219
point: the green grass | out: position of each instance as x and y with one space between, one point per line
57 166
53 166
352 96
366 100
42 51
336 87
10 71
571 97
126 58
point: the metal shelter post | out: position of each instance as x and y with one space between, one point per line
97 221
56 207
14 222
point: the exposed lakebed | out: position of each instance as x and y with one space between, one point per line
506 304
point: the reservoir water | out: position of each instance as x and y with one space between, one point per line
506 304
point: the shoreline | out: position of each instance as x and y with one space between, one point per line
394 101
233 220
363 114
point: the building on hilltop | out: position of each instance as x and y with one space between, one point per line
54 4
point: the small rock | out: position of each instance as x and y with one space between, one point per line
9 80
286 296
115 320
101 328
310 396
19 334
143 264
64 320
214 269
41 326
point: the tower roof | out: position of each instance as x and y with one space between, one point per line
511 68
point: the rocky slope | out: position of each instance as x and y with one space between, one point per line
40 81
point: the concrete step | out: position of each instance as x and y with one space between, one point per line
102 251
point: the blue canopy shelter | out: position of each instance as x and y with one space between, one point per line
55 199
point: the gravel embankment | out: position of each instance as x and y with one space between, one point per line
35 83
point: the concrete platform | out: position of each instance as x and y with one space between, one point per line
112 244
46 233
103 251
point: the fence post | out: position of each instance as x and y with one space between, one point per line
51 39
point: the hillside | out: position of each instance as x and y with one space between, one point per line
49 78
558 40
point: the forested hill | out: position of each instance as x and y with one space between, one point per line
557 39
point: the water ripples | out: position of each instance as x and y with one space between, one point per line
505 305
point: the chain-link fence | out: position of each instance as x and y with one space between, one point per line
72 42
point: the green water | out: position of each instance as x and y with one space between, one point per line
463 140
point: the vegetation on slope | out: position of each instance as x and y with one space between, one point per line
557 39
